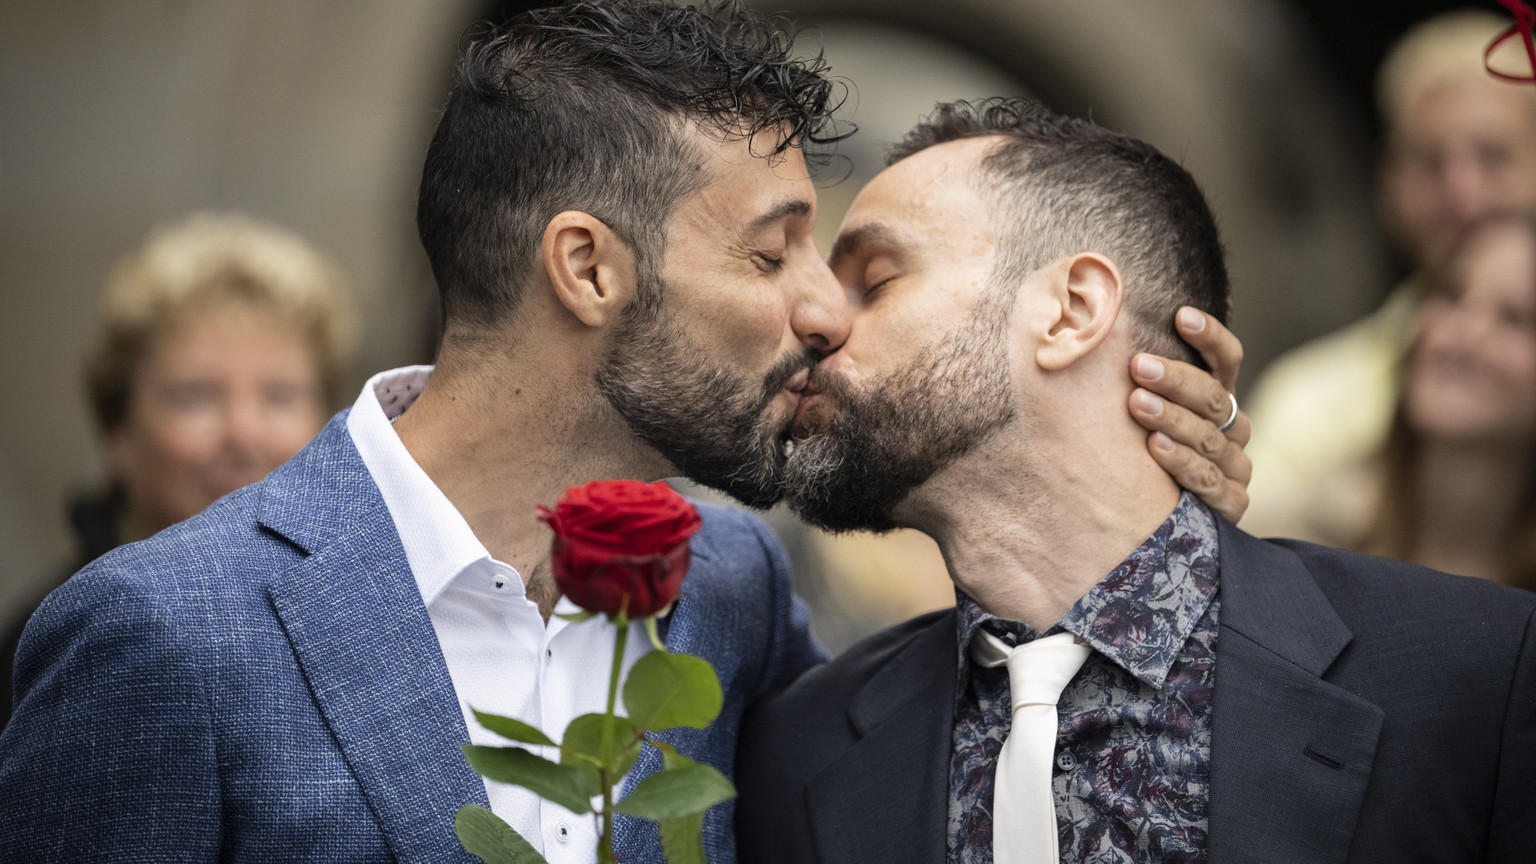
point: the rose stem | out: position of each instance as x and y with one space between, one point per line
605 844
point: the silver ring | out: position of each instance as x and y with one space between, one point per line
1232 418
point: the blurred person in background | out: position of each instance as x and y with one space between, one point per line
1453 485
222 347
1459 145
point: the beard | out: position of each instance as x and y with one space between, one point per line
853 461
711 424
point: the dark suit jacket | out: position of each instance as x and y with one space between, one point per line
262 683
1365 711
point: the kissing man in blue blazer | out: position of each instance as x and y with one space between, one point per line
618 214
1237 700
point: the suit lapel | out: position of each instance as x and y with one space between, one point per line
361 635
1291 754
886 798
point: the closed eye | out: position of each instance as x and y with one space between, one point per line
871 290
768 263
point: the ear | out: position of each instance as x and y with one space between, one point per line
1086 293
591 270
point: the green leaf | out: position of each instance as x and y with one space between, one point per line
677 792
576 617
670 758
666 690
569 787
513 730
682 839
583 743
485 836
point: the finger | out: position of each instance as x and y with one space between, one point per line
1218 346
1191 388
1200 476
1199 435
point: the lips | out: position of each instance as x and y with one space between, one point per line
817 391
806 409
798 382
818 402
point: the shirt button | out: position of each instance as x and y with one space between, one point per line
563 832
1065 761
549 655
498 583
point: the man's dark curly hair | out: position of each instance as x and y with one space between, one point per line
1070 186
587 106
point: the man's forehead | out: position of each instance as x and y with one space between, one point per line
751 189
903 202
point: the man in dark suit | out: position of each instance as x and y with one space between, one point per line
619 218
1237 700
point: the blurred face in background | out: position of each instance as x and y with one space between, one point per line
1461 150
1472 373
220 400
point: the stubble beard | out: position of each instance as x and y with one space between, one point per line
709 423
856 460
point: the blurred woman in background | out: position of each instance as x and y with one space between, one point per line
1454 485
1458 472
221 351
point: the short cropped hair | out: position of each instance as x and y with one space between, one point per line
212 261
584 107
1068 186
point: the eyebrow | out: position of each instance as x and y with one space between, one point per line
784 210
850 243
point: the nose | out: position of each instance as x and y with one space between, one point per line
1467 190
1455 331
820 317
244 423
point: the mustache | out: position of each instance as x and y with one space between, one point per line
788 367
828 383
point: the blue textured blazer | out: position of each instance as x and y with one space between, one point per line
1366 712
262 683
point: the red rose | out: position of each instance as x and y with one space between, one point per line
618 539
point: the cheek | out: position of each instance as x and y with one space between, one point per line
1516 356
293 428
179 440
752 330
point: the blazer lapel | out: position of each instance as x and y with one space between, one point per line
1291 754
361 635
886 798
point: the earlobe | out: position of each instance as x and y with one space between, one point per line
1087 293
590 269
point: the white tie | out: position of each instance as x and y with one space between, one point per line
1023 807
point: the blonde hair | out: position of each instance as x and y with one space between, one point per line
1444 48
213 261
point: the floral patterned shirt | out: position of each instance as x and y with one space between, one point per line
1133 749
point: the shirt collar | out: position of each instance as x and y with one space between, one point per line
1141 614
439 544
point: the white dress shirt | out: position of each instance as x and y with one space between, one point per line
502 656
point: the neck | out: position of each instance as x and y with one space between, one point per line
497 450
1026 530
1470 496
